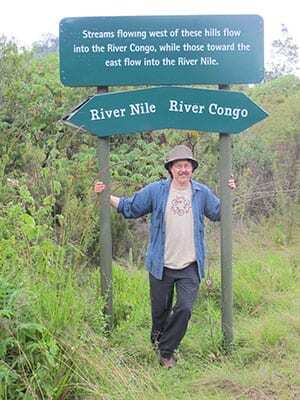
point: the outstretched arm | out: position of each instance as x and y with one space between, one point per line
130 207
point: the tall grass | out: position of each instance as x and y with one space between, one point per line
54 345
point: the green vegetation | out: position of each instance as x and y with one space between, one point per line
53 338
53 341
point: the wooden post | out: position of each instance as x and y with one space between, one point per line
226 235
105 224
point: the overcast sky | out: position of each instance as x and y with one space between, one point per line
27 20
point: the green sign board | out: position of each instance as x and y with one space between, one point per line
123 113
104 51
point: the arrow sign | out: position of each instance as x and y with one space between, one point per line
123 113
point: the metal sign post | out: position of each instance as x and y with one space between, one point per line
105 222
226 236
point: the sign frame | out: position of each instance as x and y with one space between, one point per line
192 49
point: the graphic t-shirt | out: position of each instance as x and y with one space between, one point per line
180 245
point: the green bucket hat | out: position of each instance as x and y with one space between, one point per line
180 152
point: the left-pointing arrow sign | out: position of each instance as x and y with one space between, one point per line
124 113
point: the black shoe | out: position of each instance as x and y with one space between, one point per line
167 362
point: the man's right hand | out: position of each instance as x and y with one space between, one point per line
99 187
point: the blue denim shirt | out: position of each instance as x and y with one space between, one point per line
153 199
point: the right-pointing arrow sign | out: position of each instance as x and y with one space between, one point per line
166 107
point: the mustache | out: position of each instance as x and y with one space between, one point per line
183 173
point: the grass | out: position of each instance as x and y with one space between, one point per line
264 363
54 346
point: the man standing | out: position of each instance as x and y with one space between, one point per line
175 254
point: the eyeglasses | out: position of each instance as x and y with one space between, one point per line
178 167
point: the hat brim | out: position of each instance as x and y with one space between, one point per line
170 162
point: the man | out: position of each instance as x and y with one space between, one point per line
175 255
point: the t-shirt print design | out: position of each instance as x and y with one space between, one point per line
180 205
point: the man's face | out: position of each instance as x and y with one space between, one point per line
182 171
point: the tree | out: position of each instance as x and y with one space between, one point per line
48 43
285 56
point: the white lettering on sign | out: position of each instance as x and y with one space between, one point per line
142 108
208 61
163 33
132 63
151 62
212 32
187 33
231 32
98 114
113 48
169 47
101 113
187 61
213 109
113 63
234 113
98 35
157 50
142 48
220 47
81 49
193 47
180 106
131 34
